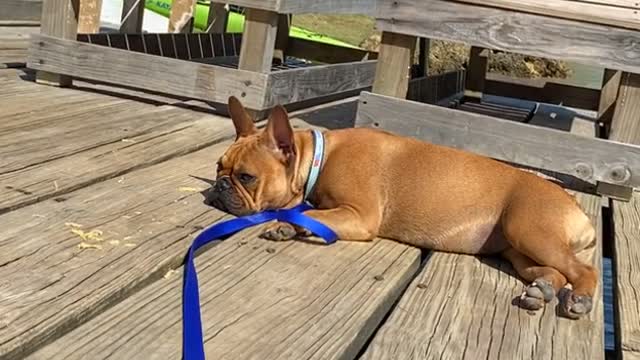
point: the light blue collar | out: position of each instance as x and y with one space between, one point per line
316 163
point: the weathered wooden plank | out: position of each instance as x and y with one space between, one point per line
181 18
27 10
16 37
132 16
460 307
89 16
258 40
574 10
608 94
394 62
585 158
61 22
626 217
314 302
217 19
296 85
148 72
476 73
50 283
530 34
362 7
626 119
143 139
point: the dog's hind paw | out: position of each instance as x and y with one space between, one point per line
575 306
537 294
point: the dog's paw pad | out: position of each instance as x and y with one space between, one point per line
537 294
575 306
279 232
529 302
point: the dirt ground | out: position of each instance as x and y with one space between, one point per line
445 56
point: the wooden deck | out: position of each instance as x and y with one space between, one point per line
100 196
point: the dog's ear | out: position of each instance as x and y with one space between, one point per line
241 120
278 134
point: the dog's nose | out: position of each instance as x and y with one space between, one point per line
223 184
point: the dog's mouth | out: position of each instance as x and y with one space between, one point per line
227 201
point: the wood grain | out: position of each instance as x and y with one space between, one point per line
148 72
296 85
260 300
626 217
476 73
543 148
61 22
258 40
181 17
394 62
529 34
608 94
217 19
49 285
89 16
460 307
132 17
27 10
575 10
625 126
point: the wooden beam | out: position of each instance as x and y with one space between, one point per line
625 126
181 18
476 73
218 18
258 40
529 34
59 19
282 38
424 46
394 64
149 72
588 11
89 17
608 95
132 17
20 10
551 91
585 158
297 85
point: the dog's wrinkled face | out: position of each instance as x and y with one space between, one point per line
257 172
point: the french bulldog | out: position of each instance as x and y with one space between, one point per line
376 184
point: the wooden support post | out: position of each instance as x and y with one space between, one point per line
258 40
625 126
132 15
476 73
282 37
394 64
424 46
181 18
608 95
59 19
218 18
89 17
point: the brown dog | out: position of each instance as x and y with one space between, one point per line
373 183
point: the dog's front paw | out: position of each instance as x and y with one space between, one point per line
279 231
575 306
537 294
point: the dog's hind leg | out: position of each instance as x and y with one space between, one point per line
544 281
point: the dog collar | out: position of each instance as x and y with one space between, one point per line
316 163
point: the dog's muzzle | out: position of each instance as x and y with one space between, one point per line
223 197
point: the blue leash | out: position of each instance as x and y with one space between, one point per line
192 337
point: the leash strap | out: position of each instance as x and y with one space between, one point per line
316 163
192 335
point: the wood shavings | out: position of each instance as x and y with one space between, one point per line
130 245
169 273
114 242
121 180
72 225
188 189
93 235
55 185
83 245
128 140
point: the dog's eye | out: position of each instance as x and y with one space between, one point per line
246 178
